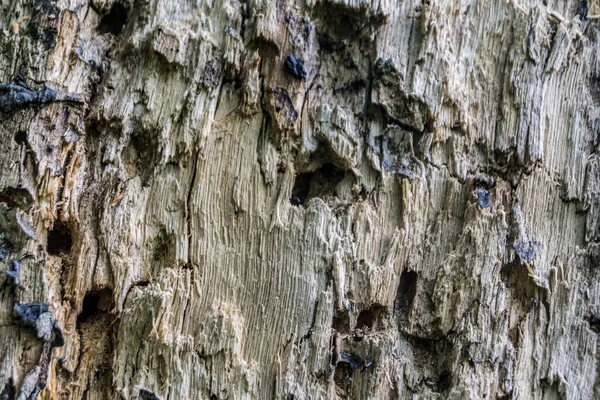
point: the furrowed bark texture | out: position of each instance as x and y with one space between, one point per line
183 216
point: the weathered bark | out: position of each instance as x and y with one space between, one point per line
304 200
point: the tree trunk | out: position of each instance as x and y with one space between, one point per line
326 199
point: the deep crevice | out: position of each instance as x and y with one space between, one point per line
20 137
9 392
59 239
95 303
444 381
345 22
143 153
145 394
372 318
16 197
341 321
115 20
407 290
164 249
301 189
343 379
319 183
97 332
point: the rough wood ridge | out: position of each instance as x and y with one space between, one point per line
312 200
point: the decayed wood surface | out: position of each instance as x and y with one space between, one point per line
408 207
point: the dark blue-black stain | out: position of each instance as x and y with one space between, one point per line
5 246
594 322
13 274
30 312
352 361
147 395
396 155
582 10
3 251
9 392
296 66
367 365
526 251
483 198
15 97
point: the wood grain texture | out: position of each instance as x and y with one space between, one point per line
417 217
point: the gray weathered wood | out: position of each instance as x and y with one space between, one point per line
417 217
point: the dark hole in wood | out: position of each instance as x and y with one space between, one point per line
330 172
21 137
9 392
95 303
59 239
371 318
407 290
444 381
320 183
16 197
343 378
341 321
114 21
147 395
301 189
143 147
346 367
164 248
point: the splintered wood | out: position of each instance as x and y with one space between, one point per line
312 200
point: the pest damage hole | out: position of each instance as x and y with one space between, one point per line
341 321
301 189
344 370
444 381
405 295
594 322
9 391
21 137
59 239
16 197
147 395
94 304
320 183
114 21
372 317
